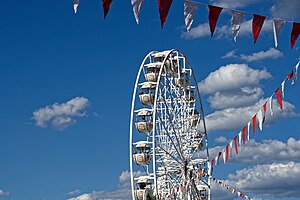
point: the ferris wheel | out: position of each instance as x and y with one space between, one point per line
168 141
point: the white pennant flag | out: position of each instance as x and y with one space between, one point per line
236 21
209 168
277 26
216 160
224 156
75 5
248 134
282 88
240 138
271 104
230 146
260 119
296 73
189 10
136 6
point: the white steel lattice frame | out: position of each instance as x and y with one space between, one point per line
175 167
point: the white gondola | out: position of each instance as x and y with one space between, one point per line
189 94
182 81
144 122
146 93
144 190
142 157
152 71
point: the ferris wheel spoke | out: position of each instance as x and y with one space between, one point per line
160 147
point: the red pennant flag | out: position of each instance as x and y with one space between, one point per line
106 5
244 135
291 74
254 123
227 153
235 145
279 98
164 7
213 16
257 23
265 111
295 33
213 162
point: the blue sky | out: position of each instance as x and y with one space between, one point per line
87 66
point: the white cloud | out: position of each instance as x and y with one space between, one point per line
4 193
123 191
74 192
286 10
231 77
221 140
234 3
61 116
271 54
241 97
230 54
268 151
235 118
275 180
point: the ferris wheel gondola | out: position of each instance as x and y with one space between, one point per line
168 140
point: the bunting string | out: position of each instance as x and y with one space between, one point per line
240 139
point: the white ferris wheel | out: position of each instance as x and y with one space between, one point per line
168 140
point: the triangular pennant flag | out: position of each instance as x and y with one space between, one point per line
164 7
136 6
227 152
213 15
106 5
295 33
231 145
290 75
213 162
257 23
244 135
271 104
224 156
254 123
296 73
277 26
240 138
282 87
219 155
260 119
189 10
279 98
236 20
216 160
235 145
75 5
265 111
248 135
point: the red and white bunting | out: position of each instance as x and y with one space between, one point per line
224 155
189 11
235 145
227 153
164 7
260 119
279 98
257 23
295 33
265 111
75 5
106 5
213 16
271 104
282 87
277 26
240 138
296 73
230 147
248 131
244 135
254 124
136 6
236 20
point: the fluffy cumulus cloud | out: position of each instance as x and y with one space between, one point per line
231 77
4 193
275 180
265 152
61 115
257 56
123 191
271 54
